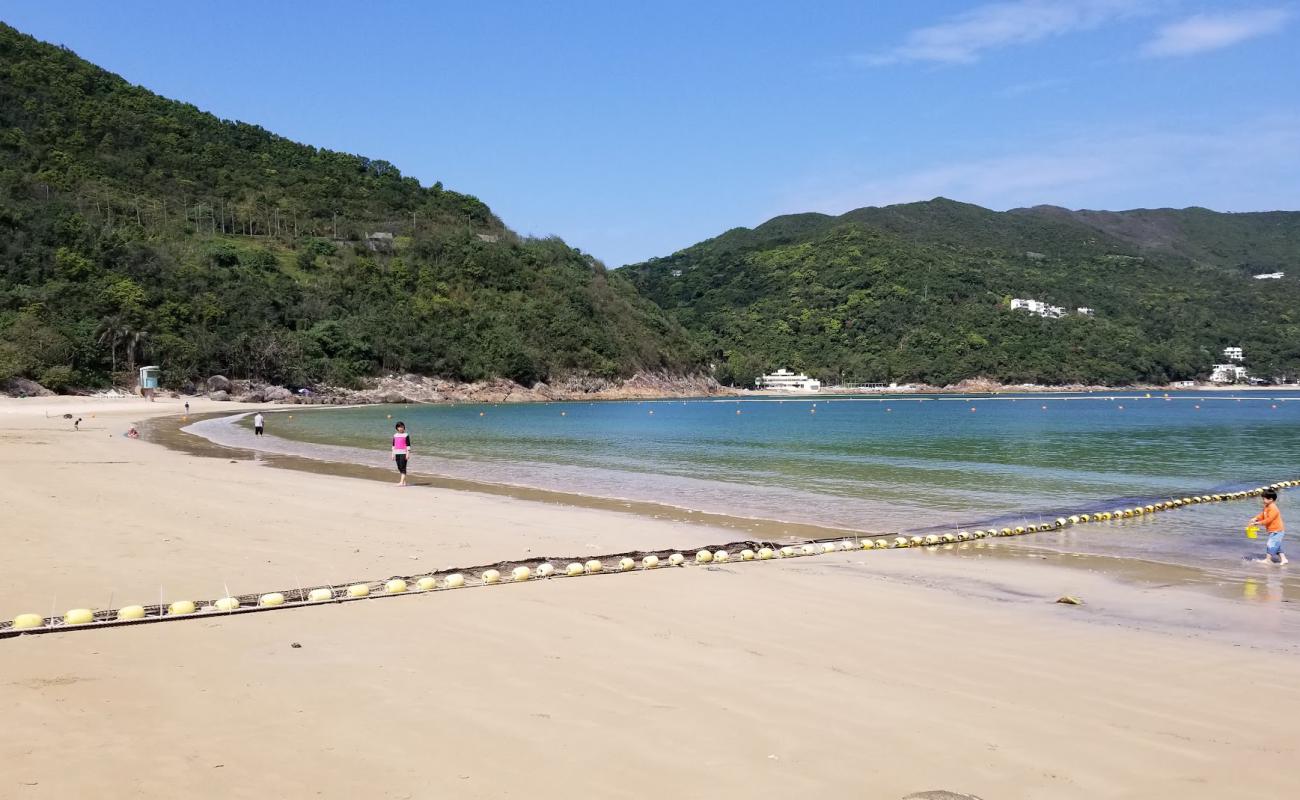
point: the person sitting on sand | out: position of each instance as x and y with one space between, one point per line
132 433
401 449
1272 519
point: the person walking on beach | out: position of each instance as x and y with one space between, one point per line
1272 520
187 408
259 424
401 449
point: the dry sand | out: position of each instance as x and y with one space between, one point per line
867 675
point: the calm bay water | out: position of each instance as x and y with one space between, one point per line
872 463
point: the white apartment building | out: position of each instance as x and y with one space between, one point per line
1269 276
1233 354
1037 307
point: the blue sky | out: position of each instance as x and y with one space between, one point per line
634 129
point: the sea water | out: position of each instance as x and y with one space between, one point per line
870 463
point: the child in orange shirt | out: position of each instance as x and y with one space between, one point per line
1272 519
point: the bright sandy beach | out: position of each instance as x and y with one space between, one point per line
861 674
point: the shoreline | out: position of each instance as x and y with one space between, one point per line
1128 569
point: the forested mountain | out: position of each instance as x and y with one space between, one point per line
922 291
136 229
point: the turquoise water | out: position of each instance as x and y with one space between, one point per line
870 463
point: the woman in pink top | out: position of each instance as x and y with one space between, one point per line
401 449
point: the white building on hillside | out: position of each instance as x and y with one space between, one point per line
1233 354
1229 373
783 380
1037 307
1269 276
1084 311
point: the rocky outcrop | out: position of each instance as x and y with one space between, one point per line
421 389
275 394
21 387
219 383
219 396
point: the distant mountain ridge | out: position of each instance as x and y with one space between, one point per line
921 292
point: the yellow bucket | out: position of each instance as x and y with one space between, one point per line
1252 532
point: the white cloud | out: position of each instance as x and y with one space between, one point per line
1250 167
1204 32
965 37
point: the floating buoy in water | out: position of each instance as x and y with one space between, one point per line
594 565
491 576
746 555
901 542
808 550
358 590
521 574
721 555
703 557
318 595
277 599
454 581
916 541
932 539
181 607
227 604
574 570
765 553
425 584
626 564
787 552
130 612
650 562
881 544
545 570
676 559
828 547
867 544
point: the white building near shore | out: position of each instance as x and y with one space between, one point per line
1037 307
1229 373
783 380
1233 354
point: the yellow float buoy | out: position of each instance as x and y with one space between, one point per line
181 607
721 555
273 599
358 590
24 622
78 616
520 574
901 542
227 603
931 539
394 586
916 541
765 553
808 550
787 552
626 564
594 565
490 576
319 595
867 544
676 559
454 581
703 557
1018 530
127 613
650 562
426 583
881 544
828 547
545 570
746 555
948 537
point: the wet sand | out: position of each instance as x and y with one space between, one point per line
867 674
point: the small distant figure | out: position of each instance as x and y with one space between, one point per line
1271 518
187 408
76 426
132 433
401 449
259 424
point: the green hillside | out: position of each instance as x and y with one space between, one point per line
136 229
921 292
